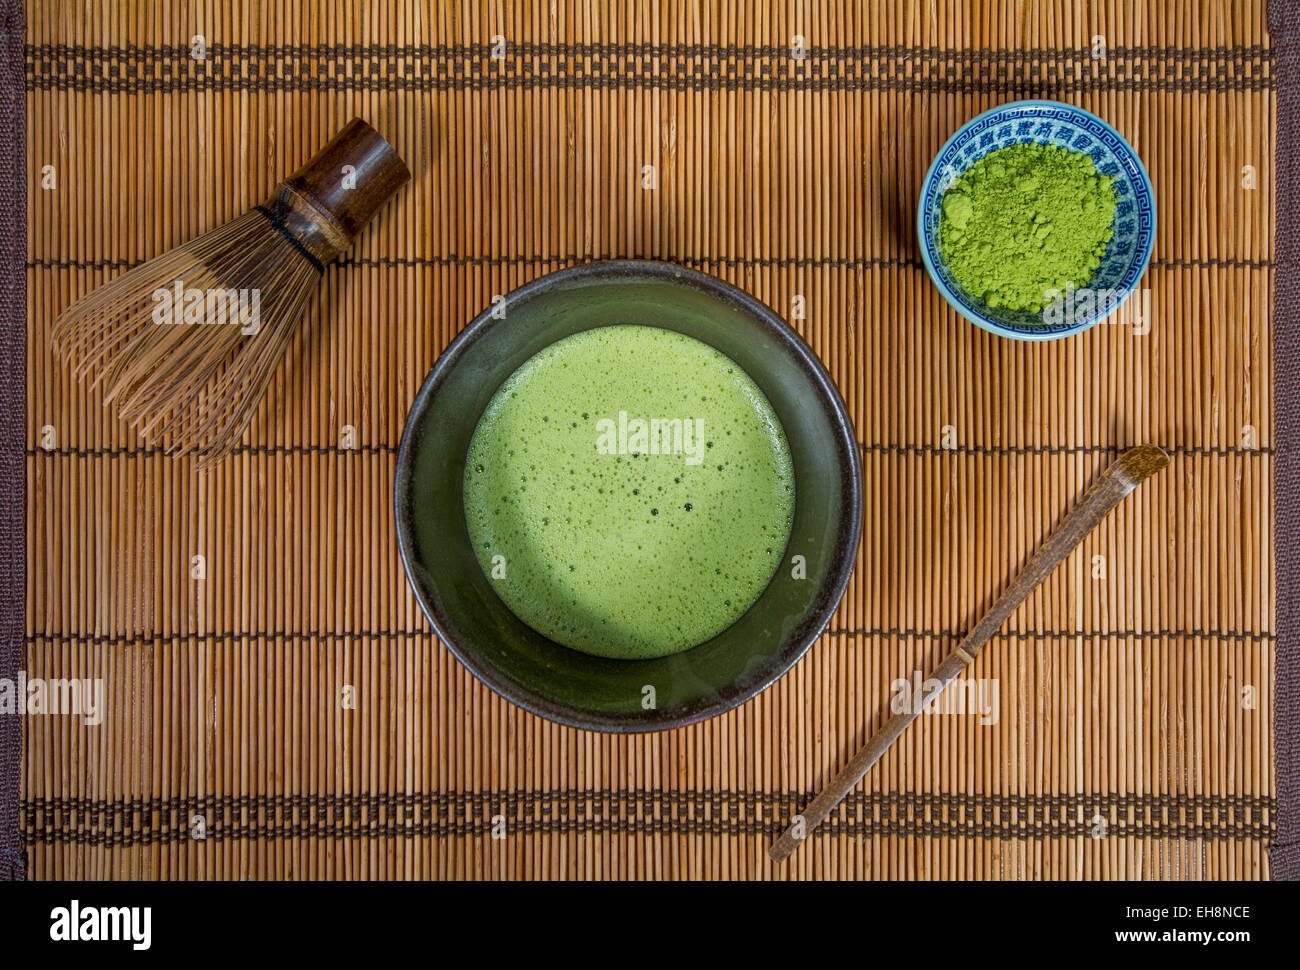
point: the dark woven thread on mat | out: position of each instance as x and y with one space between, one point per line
388 67
728 52
1284 25
890 450
1049 87
290 638
141 821
694 262
13 405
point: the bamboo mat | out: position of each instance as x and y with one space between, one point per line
1128 730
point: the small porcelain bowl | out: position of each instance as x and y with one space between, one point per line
1045 123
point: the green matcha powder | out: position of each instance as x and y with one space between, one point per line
1024 220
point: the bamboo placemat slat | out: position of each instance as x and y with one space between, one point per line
1131 735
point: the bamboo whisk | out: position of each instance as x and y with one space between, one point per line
187 343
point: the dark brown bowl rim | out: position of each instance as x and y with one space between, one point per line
828 597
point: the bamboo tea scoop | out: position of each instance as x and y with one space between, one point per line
1108 491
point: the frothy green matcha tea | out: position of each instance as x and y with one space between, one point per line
629 492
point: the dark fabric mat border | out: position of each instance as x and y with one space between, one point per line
127 823
1284 25
13 408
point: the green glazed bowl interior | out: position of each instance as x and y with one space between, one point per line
552 680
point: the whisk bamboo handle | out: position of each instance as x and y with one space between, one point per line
321 207
352 177
1124 475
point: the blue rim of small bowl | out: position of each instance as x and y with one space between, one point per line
992 326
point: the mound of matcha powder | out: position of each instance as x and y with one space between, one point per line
1026 219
